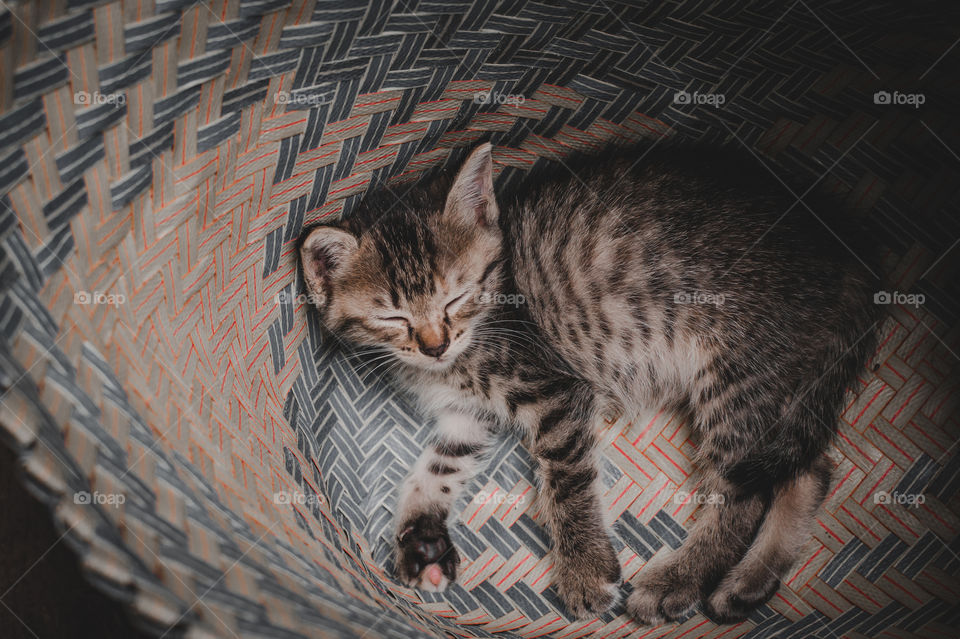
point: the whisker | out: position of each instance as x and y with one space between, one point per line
390 369
532 340
507 320
371 363
492 340
362 353
373 372
359 358
505 335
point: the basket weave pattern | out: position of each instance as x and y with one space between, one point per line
155 347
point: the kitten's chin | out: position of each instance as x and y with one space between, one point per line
432 365
435 364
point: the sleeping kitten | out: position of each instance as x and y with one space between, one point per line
683 280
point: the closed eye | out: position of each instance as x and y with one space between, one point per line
454 304
491 267
396 320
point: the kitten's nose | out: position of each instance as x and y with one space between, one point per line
433 343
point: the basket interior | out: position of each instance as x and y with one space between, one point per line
225 469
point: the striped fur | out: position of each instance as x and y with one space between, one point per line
667 281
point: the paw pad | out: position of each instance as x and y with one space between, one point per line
426 557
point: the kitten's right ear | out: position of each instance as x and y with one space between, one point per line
325 252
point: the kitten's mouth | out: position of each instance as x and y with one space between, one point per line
427 363
437 364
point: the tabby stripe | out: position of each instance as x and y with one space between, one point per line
572 450
550 421
456 449
439 468
569 485
519 397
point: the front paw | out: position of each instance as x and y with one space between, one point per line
426 558
662 594
588 585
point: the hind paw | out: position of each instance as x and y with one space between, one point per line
736 597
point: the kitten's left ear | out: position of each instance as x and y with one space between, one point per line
471 199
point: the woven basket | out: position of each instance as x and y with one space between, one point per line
223 471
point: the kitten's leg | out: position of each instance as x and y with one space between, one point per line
719 538
586 569
425 556
780 540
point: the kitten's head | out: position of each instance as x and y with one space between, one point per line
410 274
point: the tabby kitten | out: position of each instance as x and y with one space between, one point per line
672 281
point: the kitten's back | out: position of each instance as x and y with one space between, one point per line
643 267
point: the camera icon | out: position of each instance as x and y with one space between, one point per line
83 498
681 97
882 297
281 498
81 297
81 97
682 298
881 97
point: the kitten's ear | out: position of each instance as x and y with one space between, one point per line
471 199
325 252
